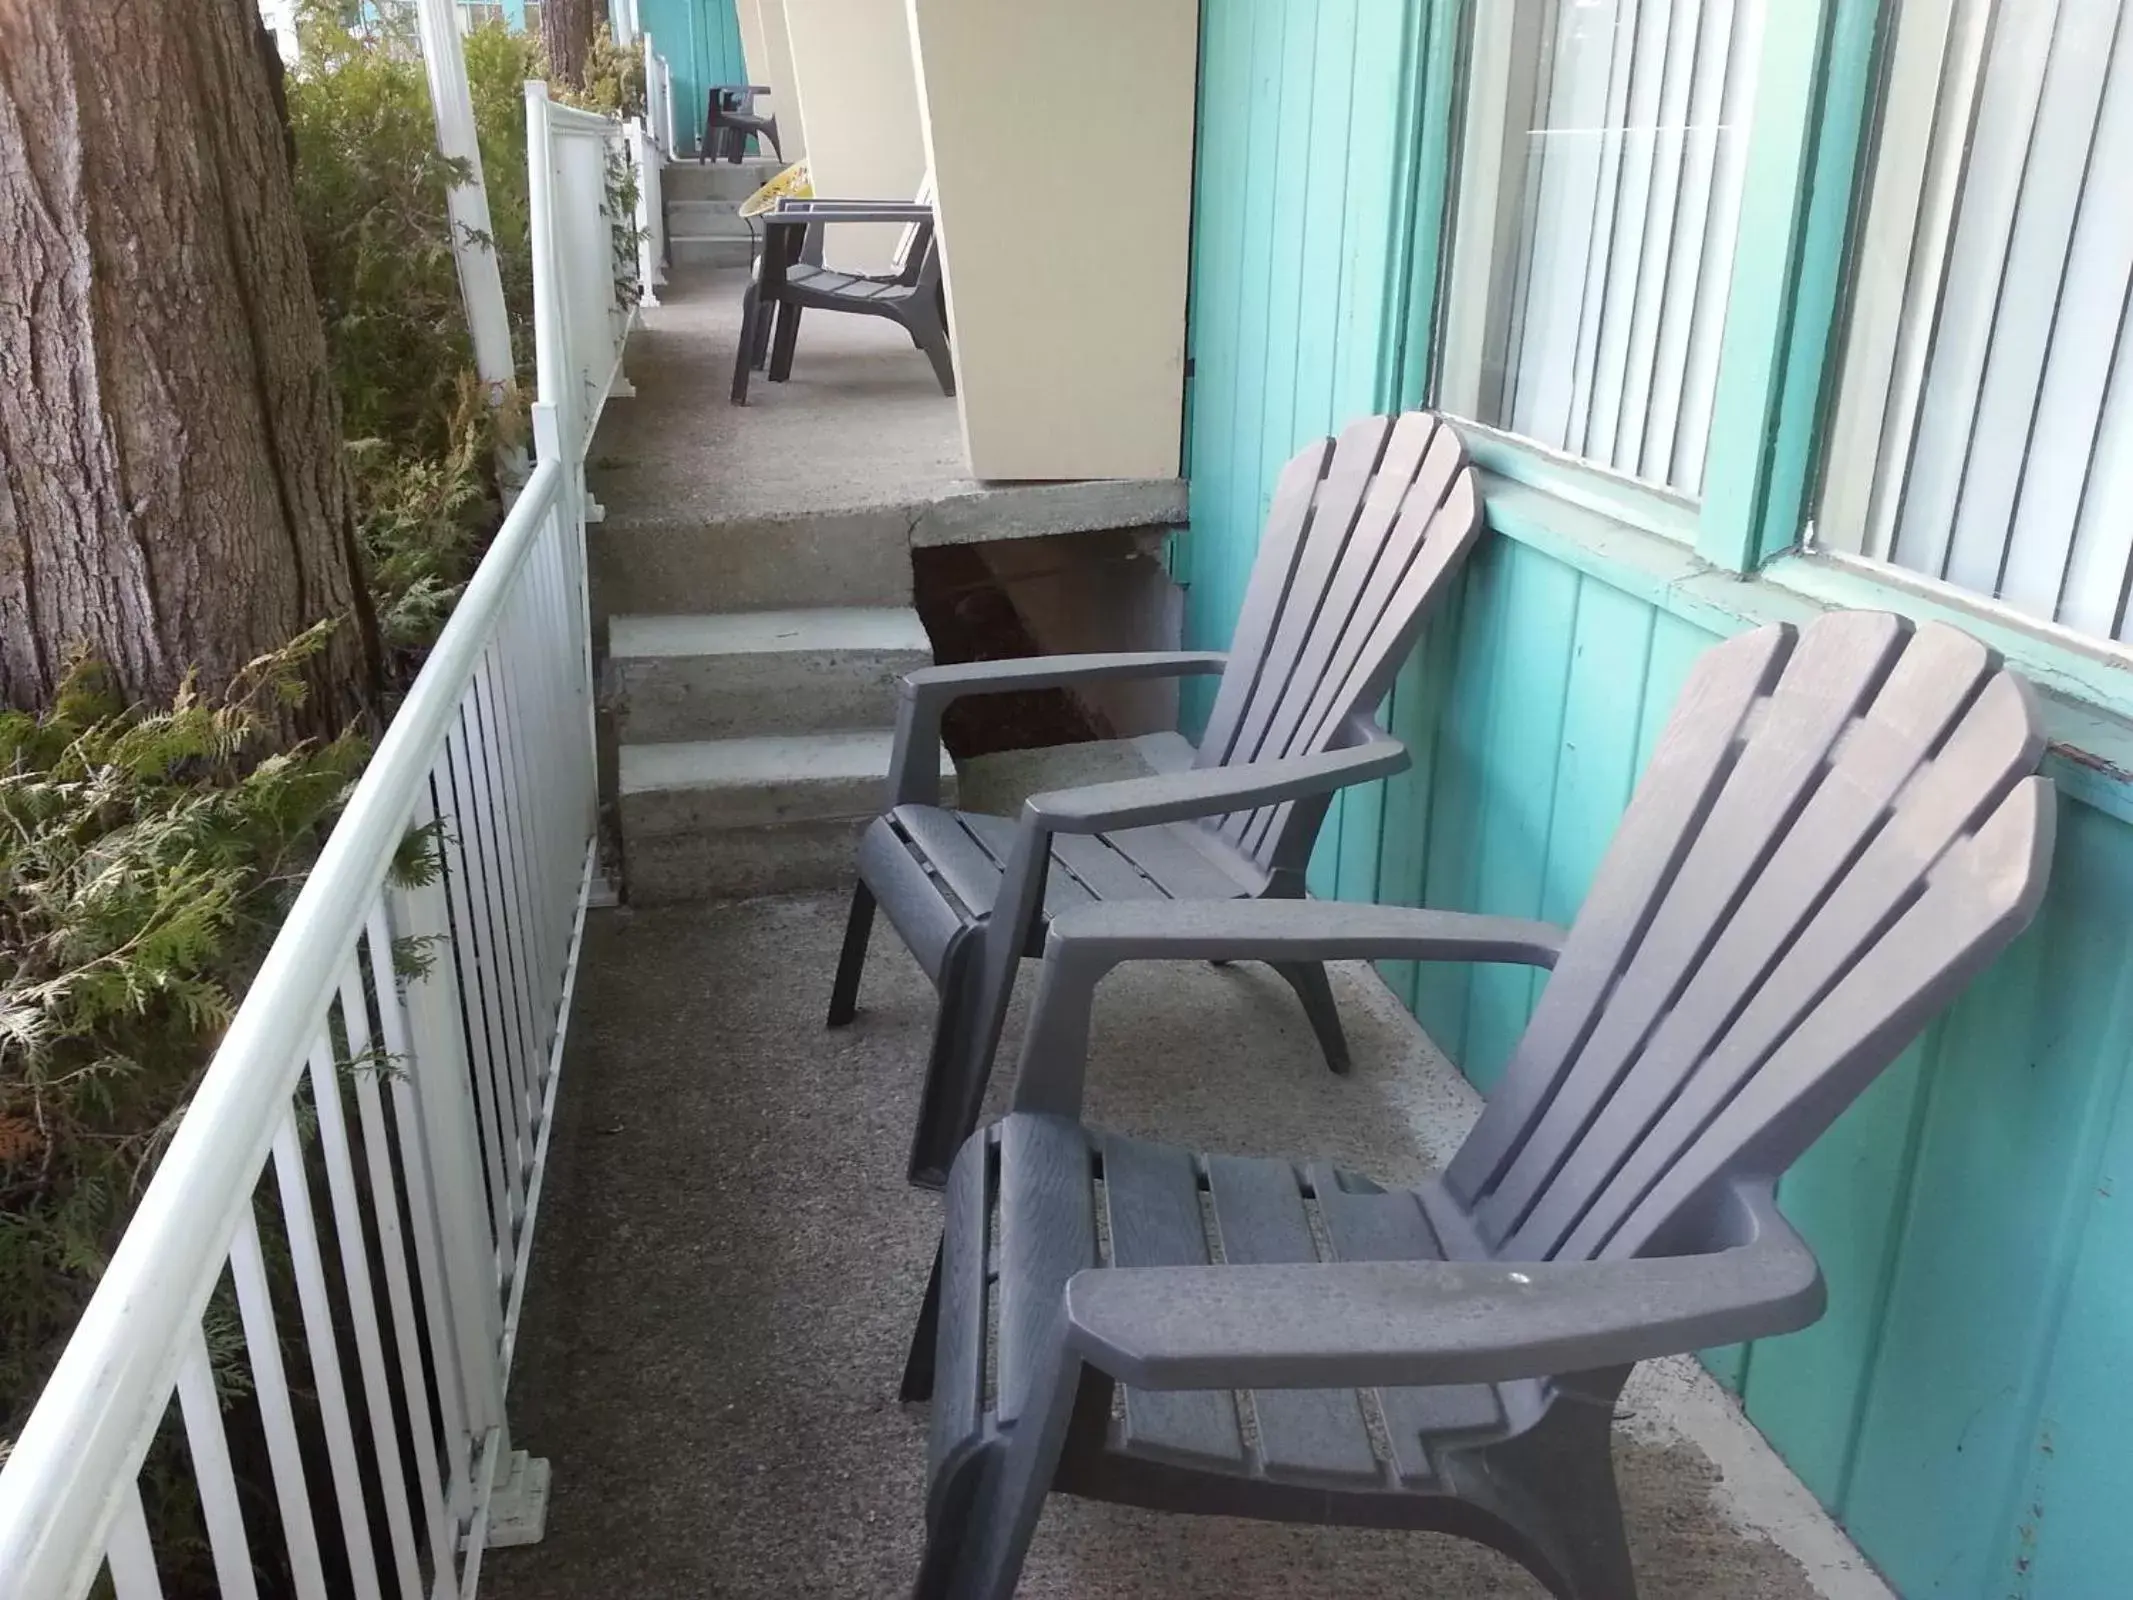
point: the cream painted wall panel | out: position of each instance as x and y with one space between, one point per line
777 51
1066 234
858 87
755 51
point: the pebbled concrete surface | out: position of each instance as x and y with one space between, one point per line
860 426
729 1261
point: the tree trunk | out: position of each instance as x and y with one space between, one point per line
567 36
175 498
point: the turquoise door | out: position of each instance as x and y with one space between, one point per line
701 40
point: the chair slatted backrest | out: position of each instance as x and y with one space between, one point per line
900 261
1839 828
1364 533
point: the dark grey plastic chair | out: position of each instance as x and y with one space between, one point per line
1361 539
789 278
1837 832
730 121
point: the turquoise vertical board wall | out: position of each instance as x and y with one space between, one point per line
1963 1407
1964 1211
2079 1540
701 40
2021 1094
1300 106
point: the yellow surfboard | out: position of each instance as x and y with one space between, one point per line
791 184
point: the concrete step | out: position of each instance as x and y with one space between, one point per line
706 219
734 674
685 251
766 815
658 567
716 180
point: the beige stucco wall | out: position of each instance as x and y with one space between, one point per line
755 51
777 53
858 88
1060 134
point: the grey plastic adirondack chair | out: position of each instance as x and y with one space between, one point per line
1361 539
730 120
789 278
1836 833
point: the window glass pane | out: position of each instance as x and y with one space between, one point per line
1983 433
1603 150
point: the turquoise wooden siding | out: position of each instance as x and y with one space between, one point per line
701 40
1297 279
1963 1406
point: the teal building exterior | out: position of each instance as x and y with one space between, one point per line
1964 1406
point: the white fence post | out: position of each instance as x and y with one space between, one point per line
481 284
551 344
644 159
655 116
666 103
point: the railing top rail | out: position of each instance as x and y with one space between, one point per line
570 119
97 1415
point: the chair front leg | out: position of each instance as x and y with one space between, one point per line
743 360
852 960
785 342
939 1133
1015 914
1308 979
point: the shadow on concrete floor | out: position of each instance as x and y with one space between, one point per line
729 1261
860 423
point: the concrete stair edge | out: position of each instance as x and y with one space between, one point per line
690 678
757 815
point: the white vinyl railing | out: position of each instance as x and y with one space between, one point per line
328 1265
648 157
581 315
658 99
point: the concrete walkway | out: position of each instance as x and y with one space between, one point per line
861 428
729 1262
860 422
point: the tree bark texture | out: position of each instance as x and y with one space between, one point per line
175 498
567 35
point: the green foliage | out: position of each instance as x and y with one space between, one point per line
614 78
425 519
371 188
148 854
148 857
499 63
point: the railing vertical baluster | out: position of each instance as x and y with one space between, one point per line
392 1246
424 1219
484 975
547 692
528 693
130 1553
362 1303
309 1264
482 807
438 1068
509 910
201 1407
559 720
270 1382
